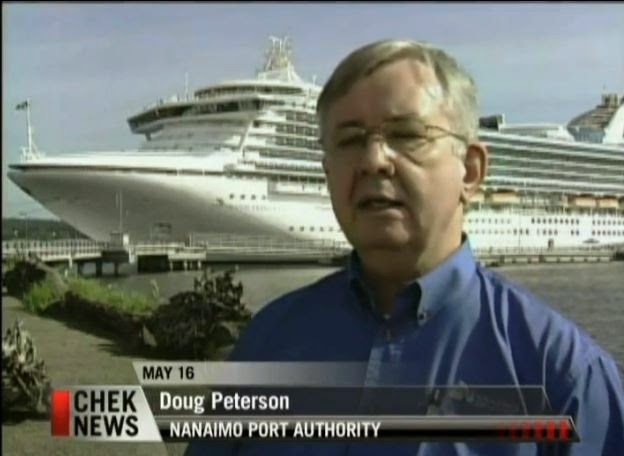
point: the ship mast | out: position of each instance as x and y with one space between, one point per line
278 61
31 150
186 86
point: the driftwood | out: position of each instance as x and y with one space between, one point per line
25 382
106 317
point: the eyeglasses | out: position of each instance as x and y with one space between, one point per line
404 137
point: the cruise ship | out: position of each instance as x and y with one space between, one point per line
241 158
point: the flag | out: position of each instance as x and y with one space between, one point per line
22 105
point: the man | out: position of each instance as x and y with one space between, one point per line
398 122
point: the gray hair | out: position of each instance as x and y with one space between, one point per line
458 87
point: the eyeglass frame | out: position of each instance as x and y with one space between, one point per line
378 130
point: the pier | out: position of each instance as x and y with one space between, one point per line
589 254
199 252
174 256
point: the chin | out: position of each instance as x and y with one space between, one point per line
382 240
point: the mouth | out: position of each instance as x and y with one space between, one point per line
379 202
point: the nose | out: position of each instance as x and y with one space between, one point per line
377 158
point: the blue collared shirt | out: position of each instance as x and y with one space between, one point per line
459 323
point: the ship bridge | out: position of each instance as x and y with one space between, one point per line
603 124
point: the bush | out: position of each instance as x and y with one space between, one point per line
201 324
21 275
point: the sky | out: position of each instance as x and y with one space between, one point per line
87 67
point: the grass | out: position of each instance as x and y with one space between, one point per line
42 294
94 290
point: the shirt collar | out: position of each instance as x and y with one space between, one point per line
444 284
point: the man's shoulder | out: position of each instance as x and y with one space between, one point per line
539 333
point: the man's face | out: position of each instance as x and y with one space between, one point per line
383 197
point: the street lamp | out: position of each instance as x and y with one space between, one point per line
25 218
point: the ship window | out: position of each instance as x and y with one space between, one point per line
321 229
231 195
242 197
253 197
292 228
311 228
301 228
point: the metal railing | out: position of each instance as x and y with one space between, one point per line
46 250
264 243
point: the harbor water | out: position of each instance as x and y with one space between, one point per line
592 295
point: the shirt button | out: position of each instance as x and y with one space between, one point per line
422 316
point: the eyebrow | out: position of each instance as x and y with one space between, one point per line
406 116
349 124
394 118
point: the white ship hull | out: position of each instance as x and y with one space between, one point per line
157 206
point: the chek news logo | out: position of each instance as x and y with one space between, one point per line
118 413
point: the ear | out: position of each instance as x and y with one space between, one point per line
475 165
